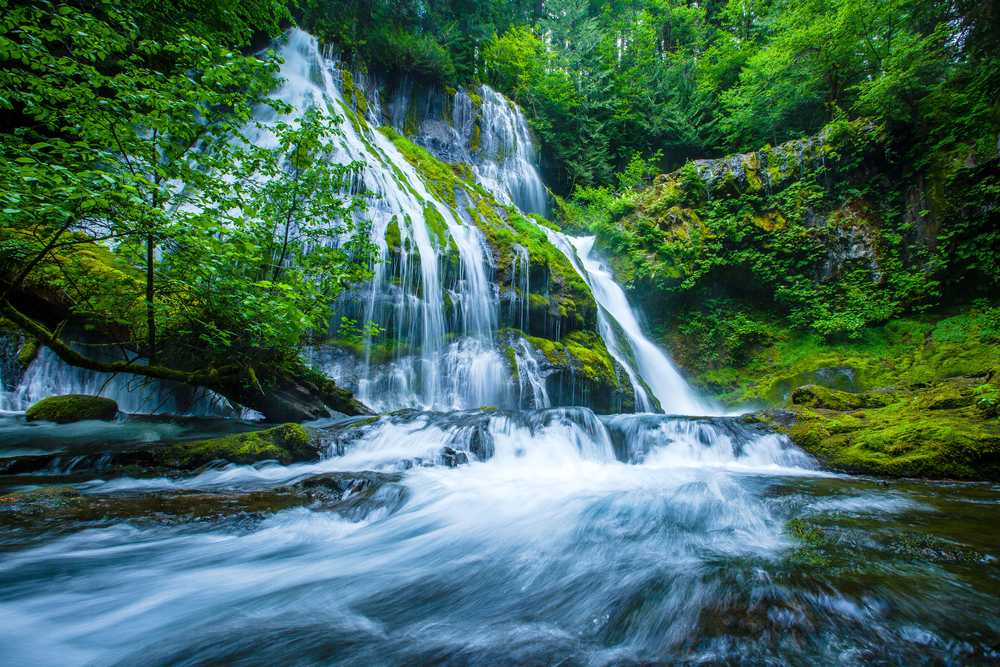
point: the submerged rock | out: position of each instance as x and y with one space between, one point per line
72 408
947 429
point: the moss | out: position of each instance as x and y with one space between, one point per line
512 362
805 531
436 225
347 82
392 236
72 408
914 431
594 361
476 138
439 178
920 348
28 351
815 396
543 222
287 444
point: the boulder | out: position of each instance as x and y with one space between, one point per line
288 443
72 408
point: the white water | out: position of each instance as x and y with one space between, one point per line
670 389
573 540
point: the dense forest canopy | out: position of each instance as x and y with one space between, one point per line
603 81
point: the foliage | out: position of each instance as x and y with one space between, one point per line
132 153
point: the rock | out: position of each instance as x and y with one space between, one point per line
354 495
72 408
454 458
815 396
295 394
944 430
286 444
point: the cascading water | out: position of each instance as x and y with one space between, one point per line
506 162
435 295
670 389
648 368
560 538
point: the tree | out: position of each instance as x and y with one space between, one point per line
207 259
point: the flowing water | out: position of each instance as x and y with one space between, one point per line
567 539
544 536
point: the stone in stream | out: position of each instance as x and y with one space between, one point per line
353 495
286 444
72 408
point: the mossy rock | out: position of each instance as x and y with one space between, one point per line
288 443
815 396
936 431
72 408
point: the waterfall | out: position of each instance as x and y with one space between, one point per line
647 366
507 159
437 360
435 294
48 376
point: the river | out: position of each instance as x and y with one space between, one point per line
626 540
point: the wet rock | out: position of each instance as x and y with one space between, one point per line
72 408
289 443
454 458
334 485
354 495
946 429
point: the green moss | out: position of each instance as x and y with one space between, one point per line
921 348
436 225
805 531
353 94
72 408
815 396
287 444
28 351
512 362
476 138
543 222
392 236
914 431
439 178
588 348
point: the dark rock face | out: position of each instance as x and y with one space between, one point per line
72 408
294 395
11 366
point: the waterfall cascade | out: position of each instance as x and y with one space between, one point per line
453 309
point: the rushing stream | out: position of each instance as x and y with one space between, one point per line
452 535
568 539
